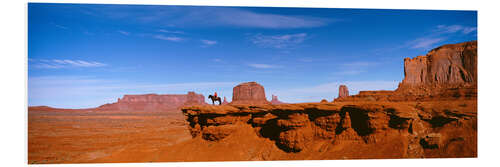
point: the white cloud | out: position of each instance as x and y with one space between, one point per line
468 30
217 60
61 27
169 38
354 68
359 64
425 42
278 41
56 64
264 66
440 33
171 32
261 20
192 16
349 72
208 42
455 29
123 32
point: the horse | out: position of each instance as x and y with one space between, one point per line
214 99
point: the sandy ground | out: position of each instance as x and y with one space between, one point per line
85 137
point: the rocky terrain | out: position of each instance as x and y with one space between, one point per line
432 114
343 129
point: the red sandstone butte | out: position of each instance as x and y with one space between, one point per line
343 91
249 93
225 101
275 100
448 72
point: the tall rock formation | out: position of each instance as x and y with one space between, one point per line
453 64
275 100
225 101
447 72
249 93
154 102
343 91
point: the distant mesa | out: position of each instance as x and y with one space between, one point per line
275 100
154 102
225 101
249 93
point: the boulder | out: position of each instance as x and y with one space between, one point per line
249 93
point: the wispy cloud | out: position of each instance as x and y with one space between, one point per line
278 41
174 16
61 27
439 34
57 64
455 29
425 42
261 20
349 72
171 32
358 64
306 60
217 60
264 66
169 38
123 32
354 68
208 42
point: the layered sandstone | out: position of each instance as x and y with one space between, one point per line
373 129
446 68
154 102
249 93
448 72
454 64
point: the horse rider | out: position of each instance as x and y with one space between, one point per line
215 95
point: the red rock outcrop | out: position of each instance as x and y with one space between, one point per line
448 72
444 69
365 129
343 91
249 93
446 65
275 100
154 102
225 101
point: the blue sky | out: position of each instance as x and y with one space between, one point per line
82 55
